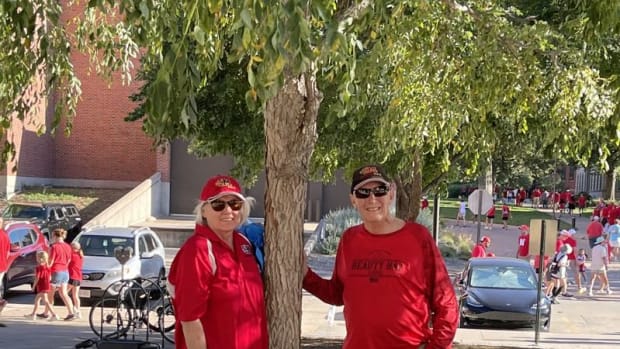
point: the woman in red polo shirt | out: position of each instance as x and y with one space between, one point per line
214 279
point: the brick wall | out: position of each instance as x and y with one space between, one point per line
102 146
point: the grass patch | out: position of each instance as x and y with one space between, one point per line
80 197
448 209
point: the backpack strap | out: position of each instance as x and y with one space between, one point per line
211 257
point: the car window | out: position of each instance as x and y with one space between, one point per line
23 211
71 211
151 243
21 237
59 213
515 277
103 246
142 245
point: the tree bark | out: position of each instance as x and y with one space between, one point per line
409 186
610 184
290 132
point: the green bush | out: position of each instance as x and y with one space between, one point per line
453 245
336 222
425 217
328 246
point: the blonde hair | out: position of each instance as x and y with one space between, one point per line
244 213
76 245
59 232
42 256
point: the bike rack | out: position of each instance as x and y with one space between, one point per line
139 296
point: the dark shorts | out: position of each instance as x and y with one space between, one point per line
504 218
490 217
74 282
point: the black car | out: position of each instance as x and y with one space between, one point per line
47 216
501 291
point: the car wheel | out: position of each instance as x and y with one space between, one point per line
3 289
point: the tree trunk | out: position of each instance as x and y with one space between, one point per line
409 186
290 132
610 184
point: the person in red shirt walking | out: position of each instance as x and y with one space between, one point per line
572 257
523 243
5 250
215 281
60 256
389 274
42 287
490 218
594 230
581 203
536 194
505 215
75 276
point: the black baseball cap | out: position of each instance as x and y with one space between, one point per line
367 174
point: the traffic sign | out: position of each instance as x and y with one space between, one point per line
475 198
551 233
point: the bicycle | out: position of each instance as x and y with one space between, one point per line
139 303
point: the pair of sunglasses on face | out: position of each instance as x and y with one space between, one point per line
220 205
364 193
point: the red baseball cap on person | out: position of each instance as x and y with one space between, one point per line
219 186
485 239
524 227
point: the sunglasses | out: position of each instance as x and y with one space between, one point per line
364 193
219 205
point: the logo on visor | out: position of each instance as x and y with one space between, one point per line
370 171
224 183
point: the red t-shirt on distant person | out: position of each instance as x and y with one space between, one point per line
75 266
60 254
524 245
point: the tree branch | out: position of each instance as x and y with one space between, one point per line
350 9
435 181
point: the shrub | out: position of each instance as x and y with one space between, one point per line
425 217
336 222
453 245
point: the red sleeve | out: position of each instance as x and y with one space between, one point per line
443 302
329 291
191 274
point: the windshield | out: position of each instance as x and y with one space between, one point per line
515 277
23 212
103 246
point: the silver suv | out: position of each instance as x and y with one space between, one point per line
101 268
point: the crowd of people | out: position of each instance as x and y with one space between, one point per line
59 271
569 261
